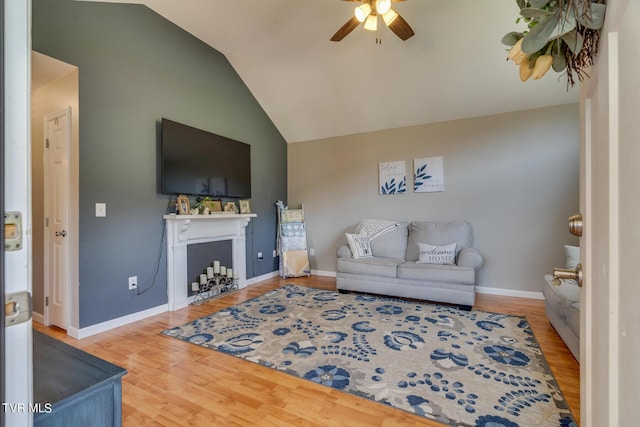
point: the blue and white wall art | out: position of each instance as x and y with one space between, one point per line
393 177
428 175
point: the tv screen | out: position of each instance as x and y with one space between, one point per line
196 162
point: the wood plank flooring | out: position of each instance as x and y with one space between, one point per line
174 383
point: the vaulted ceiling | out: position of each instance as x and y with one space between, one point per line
311 88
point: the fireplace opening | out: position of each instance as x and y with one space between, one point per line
201 255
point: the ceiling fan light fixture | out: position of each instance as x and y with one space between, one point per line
363 11
371 23
389 16
383 6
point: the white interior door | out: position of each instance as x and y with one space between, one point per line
18 379
57 145
610 200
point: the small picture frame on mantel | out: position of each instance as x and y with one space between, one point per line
213 205
245 206
231 207
183 205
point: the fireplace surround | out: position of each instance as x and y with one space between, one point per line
184 230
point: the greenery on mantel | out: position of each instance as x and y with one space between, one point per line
561 34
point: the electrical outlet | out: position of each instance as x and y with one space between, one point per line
275 254
312 252
133 282
260 257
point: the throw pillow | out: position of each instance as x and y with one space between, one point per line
360 246
572 253
432 254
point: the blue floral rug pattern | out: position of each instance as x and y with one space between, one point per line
462 368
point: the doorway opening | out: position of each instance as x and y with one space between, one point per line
54 180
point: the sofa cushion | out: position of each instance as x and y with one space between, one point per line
573 317
384 267
392 243
432 254
436 273
564 301
359 245
438 233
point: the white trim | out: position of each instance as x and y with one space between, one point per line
323 273
254 280
509 292
115 323
614 230
37 317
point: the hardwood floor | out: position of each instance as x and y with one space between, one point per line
174 383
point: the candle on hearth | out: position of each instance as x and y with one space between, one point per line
223 270
203 279
230 272
209 272
216 267
195 287
235 275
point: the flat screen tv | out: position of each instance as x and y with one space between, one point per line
197 162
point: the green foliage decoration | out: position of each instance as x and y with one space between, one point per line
567 31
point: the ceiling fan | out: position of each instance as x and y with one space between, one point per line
368 12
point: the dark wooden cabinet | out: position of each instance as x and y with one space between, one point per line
73 388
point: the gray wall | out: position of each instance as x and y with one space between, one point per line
135 67
513 176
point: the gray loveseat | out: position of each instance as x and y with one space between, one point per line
562 304
395 265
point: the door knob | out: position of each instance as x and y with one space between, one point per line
62 233
575 225
563 273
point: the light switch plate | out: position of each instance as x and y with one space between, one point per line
101 209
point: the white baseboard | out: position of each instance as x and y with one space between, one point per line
38 317
323 273
257 279
509 292
114 323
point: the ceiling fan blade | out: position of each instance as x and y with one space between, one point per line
401 28
345 29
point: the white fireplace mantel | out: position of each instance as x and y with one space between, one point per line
183 230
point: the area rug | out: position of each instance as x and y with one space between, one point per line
462 368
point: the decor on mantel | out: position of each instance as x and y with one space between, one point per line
217 281
460 368
369 13
183 206
562 34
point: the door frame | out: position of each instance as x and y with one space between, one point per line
18 381
48 285
2 338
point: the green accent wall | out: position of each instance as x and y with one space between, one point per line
135 67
